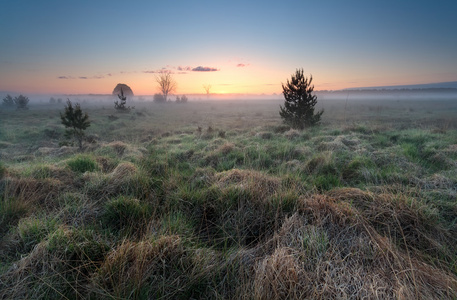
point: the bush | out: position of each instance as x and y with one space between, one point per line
159 98
8 101
82 164
182 99
21 102
298 110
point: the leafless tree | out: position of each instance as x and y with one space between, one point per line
166 83
207 88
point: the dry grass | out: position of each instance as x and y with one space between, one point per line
329 250
32 192
263 185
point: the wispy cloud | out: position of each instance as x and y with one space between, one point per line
204 69
242 65
163 70
180 68
83 77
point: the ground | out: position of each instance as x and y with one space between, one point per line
219 200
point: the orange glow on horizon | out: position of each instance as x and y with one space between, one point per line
229 79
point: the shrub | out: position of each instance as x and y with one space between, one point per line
8 101
298 110
159 98
21 102
182 99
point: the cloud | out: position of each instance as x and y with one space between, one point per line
163 70
83 77
180 68
242 65
204 69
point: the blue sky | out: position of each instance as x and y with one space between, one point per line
250 46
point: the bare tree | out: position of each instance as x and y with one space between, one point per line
207 88
166 84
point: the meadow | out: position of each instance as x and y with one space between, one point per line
219 200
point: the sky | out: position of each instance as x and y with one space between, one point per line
246 47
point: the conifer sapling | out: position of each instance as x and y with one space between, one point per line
76 121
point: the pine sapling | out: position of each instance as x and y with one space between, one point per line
76 121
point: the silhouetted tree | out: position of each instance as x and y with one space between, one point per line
182 99
121 105
159 98
74 119
166 84
127 90
21 102
207 88
298 110
8 101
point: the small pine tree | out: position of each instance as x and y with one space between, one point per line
121 105
298 110
8 101
21 102
74 119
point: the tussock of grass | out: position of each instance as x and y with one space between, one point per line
67 257
82 163
31 192
250 180
160 268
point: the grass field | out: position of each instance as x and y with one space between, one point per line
219 200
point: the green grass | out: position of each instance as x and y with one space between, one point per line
154 208
82 163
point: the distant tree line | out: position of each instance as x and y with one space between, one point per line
20 101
